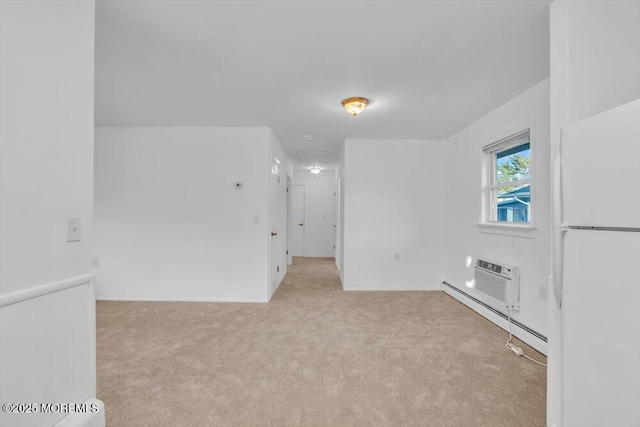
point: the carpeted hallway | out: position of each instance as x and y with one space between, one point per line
313 356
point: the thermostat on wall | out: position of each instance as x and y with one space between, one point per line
238 186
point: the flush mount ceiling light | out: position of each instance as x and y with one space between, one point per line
355 105
314 170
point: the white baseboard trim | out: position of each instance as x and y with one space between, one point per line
278 283
403 289
522 332
137 299
49 288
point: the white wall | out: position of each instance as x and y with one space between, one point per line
47 313
394 204
595 64
528 251
169 223
603 59
319 211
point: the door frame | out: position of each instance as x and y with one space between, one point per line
294 220
289 219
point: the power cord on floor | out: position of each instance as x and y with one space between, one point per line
517 350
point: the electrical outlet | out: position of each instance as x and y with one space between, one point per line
73 230
396 257
96 262
543 292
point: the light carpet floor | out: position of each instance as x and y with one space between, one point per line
313 356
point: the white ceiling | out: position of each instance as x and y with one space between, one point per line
429 68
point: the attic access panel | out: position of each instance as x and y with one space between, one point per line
313 156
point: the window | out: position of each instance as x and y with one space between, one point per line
509 180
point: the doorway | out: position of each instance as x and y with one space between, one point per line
297 220
275 219
289 225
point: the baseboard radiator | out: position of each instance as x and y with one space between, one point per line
471 299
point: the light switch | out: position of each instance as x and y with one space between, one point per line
73 229
256 220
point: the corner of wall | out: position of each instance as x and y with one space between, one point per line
464 238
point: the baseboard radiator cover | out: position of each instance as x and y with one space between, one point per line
41 290
529 335
59 318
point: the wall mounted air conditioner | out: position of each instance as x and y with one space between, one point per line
498 284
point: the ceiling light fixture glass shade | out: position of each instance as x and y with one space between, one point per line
355 105
314 170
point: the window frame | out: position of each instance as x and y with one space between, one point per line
489 208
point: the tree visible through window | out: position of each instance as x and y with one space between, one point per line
510 179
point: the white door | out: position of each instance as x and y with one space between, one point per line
601 328
289 226
297 220
275 215
337 246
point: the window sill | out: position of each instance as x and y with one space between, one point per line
524 231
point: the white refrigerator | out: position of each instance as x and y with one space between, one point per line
597 268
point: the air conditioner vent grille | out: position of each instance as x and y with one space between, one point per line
498 283
492 285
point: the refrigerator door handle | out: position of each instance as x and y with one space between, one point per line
556 186
558 232
558 261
